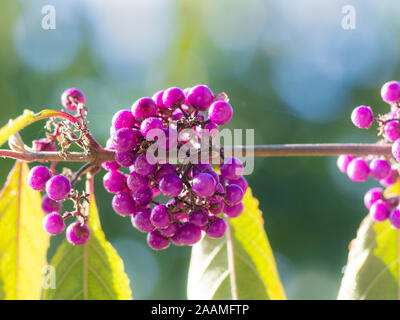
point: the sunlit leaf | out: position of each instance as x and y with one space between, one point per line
23 243
372 270
89 272
27 118
239 265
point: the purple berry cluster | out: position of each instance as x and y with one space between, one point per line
382 169
173 202
58 187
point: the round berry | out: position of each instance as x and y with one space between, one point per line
232 168
143 197
391 179
53 223
358 170
216 206
198 218
165 169
136 181
123 204
362 117
70 98
204 185
156 241
210 130
114 181
77 234
158 99
173 98
394 218
123 119
142 221
110 165
160 217
390 91
234 194
392 130
58 188
343 162
170 230
145 165
49 205
200 97
216 228
124 159
234 211
379 211
151 128
126 139
170 185
241 182
144 108
380 169
189 234
372 196
220 112
38 177
396 149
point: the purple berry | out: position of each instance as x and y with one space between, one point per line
372 196
216 228
151 128
123 204
362 117
379 211
144 108
200 97
170 185
204 185
390 91
165 169
158 99
392 130
343 162
234 211
170 230
168 140
396 149
160 217
114 181
110 165
216 205
49 205
156 241
232 168
210 130
391 179
143 197
220 112
125 140
123 119
71 97
358 170
188 234
38 177
142 221
77 234
394 218
53 223
241 182
124 159
144 164
380 169
234 194
58 188
198 218
173 98
136 181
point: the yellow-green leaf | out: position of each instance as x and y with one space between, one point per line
372 270
23 243
240 265
93 271
28 117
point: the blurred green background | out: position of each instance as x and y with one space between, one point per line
291 71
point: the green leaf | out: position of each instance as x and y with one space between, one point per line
240 265
372 270
27 118
23 243
93 271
